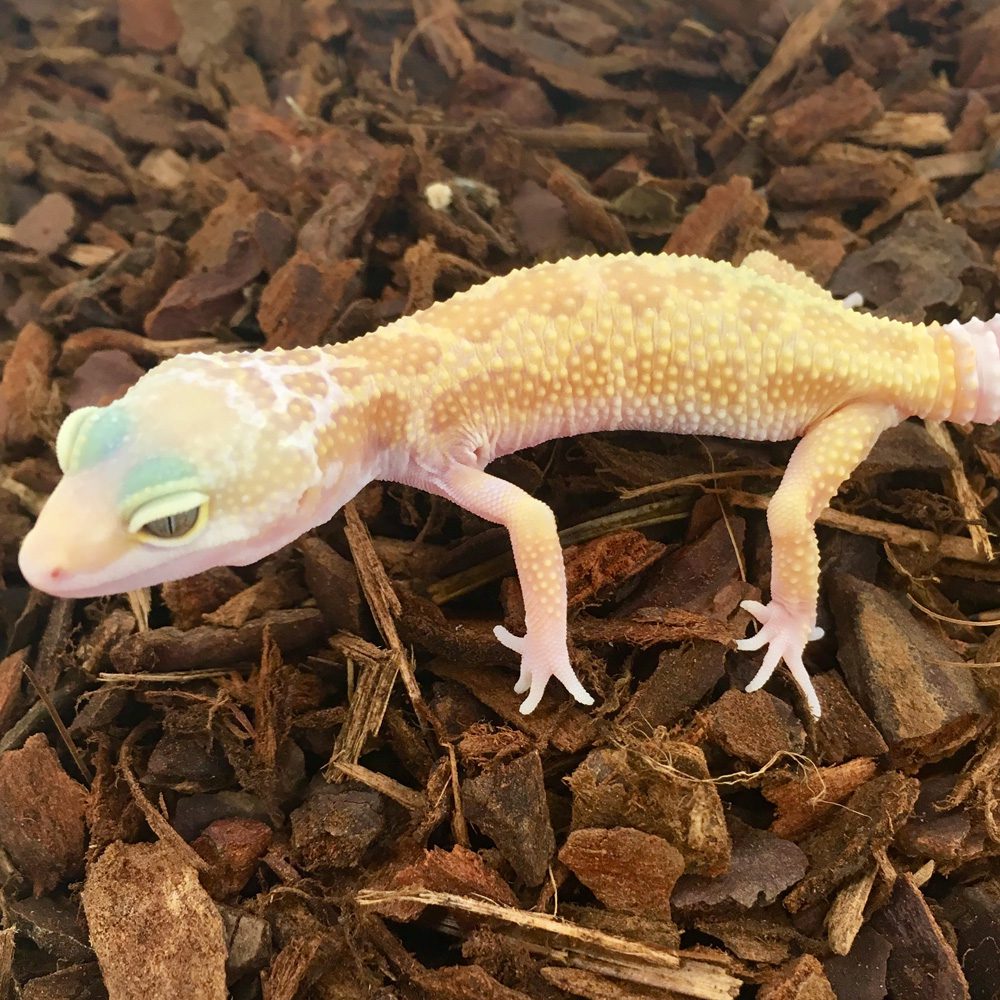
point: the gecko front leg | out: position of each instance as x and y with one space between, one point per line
827 454
539 561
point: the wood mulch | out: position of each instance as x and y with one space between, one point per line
309 778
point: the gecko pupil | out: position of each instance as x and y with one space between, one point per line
173 525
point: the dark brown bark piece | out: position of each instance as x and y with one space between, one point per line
974 913
197 302
334 827
507 803
860 974
898 670
926 262
843 847
333 581
702 576
520 100
682 678
762 866
839 184
78 982
170 649
978 209
922 963
53 925
947 836
626 869
843 732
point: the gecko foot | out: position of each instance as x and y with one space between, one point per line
537 665
785 632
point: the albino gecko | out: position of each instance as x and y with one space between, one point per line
223 458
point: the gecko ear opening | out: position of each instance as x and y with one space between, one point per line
170 520
68 435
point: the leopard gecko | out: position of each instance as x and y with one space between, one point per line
214 459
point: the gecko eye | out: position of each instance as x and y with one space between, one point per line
173 525
171 519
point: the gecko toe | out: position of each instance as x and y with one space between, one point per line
758 610
567 677
508 639
771 660
535 693
804 682
752 642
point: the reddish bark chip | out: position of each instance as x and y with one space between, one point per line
42 813
458 871
626 869
804 800
299 304
233 847
843 847
802 979
148 24
847 104
756 727
721 226
26 389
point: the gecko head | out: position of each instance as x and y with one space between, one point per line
178 476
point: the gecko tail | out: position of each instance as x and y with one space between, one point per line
983 335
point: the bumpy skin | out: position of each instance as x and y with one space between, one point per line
266 445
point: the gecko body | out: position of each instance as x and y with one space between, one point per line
222 458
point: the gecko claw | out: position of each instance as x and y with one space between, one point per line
785 632
535 676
